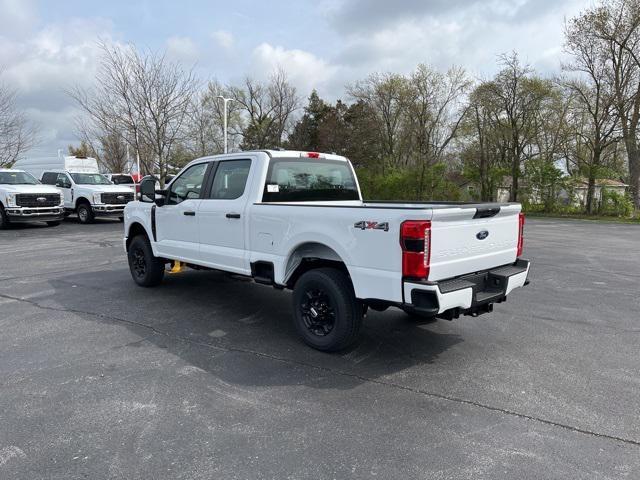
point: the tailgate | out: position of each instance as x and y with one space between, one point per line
462 244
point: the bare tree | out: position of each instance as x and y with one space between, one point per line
613 28
435 107
142 97
205 127
267 109
387 96
594 104
16 134
518 98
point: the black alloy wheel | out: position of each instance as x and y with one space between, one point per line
318 314
146 269
326 313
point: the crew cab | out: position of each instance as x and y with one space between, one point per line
25 199
297 220
89 194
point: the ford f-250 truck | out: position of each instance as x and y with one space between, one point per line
297 220
25 199
85 190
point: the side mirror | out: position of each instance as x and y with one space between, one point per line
148 190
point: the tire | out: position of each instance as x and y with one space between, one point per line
85 213
4 220
54 223
326 313
146 269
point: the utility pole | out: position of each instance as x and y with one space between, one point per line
225 100
138 157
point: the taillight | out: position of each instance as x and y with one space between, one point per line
313 154
415 240
520 234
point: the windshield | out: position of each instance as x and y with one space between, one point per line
17 178
90 179
122 179
290 180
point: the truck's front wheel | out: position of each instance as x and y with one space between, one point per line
4 220
146 269
85 213
326 313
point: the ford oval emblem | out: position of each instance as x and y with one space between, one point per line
41 199
482 234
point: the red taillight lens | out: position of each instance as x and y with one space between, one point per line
415 240
313 155
520 234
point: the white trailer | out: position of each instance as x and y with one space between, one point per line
36 166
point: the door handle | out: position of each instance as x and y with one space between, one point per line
233 215
189 214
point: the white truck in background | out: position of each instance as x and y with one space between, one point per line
86 191
297 220
25 199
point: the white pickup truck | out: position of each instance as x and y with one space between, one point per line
297 220
85 190
25 199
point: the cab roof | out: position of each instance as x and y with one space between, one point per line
302 154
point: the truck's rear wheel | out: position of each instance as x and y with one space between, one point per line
85 213
146 269
326 313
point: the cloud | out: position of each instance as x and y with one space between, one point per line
17 18
472 35
44 65
326 45
304 69
368 15
223 39
182 49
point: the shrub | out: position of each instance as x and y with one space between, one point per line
615 204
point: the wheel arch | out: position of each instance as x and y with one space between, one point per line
308 256
80 200
135 229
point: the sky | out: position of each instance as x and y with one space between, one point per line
46 47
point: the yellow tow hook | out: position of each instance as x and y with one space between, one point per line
176 267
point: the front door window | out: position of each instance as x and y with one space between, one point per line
188 185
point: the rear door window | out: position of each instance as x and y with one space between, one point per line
230 179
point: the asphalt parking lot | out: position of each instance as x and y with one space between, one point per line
204 377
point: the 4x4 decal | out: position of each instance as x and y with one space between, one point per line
367 225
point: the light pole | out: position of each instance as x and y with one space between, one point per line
225 100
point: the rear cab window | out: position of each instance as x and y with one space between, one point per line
304 180
122 179
49 178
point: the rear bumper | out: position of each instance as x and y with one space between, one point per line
43 214
472 294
